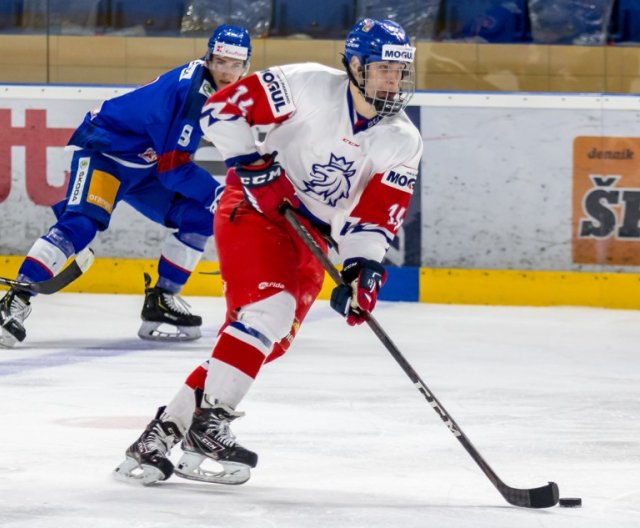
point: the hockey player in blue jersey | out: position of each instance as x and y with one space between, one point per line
138 148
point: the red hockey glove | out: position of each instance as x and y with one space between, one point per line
266 185
358 295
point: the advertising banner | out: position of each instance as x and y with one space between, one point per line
507 181
606 201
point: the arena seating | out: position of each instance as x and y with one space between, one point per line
10 14
486 20
625 21
326 19
493 21
160 17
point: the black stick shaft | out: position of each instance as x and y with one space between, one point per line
512 495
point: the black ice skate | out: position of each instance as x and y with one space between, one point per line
147 459
14 309
209 438
166 317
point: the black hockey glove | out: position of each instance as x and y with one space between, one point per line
357 297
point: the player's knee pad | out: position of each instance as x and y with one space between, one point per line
271 317
77 229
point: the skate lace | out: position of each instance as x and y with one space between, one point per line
157 440
221 431
225 436
15 308
176 304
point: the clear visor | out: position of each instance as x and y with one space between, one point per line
388 86
227 65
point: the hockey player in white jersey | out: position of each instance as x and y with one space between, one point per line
344 154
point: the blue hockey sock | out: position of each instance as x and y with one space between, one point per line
180 255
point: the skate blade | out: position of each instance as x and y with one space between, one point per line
131 471
7 340
153 331
232 473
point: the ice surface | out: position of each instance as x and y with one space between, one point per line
344 438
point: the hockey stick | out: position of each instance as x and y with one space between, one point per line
542 497
78 266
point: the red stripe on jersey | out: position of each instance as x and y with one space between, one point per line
172 160
246 98
195 380
238 354
382 205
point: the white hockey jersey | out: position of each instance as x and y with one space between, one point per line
353 174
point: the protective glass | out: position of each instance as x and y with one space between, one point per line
223 65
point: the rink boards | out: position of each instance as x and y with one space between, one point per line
409 284
523 198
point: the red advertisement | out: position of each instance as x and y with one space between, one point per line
36 137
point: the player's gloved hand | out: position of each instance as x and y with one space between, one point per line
216 199
358 295
266 185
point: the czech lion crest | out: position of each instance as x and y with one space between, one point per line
331 181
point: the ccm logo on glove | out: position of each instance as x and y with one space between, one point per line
266 186
260 179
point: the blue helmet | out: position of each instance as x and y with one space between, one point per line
230 41
373 41
367 38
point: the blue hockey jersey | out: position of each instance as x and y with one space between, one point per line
156 127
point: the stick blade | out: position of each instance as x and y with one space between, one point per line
542 497
81 263
85 259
